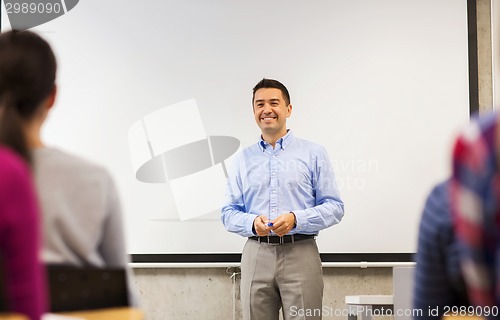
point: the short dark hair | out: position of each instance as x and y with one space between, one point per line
27 77
271 83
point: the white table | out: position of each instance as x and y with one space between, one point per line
365 306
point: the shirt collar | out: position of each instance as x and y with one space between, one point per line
282 142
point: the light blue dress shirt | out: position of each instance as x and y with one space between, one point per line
295 176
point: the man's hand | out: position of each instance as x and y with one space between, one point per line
260 226
283 224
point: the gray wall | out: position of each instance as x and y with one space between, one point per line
211 293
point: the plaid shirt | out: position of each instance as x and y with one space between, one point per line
475 209
438 280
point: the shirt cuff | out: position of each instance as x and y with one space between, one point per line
249 225
301 220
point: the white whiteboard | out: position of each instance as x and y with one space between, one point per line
383 84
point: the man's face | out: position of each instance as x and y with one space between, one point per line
270 111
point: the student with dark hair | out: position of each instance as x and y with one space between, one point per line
22 274
27 77
82 218
281 193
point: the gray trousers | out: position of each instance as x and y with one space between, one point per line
287 276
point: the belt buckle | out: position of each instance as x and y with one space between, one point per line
273 244
282 240
268 241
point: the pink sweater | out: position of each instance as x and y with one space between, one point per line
24 277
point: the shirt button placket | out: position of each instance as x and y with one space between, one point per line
273 203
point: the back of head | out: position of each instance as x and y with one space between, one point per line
27 77
271 83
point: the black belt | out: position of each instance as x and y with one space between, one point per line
285 239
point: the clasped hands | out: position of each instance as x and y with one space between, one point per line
281 225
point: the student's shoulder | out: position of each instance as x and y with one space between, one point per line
15 175
12 166
55 159
437 211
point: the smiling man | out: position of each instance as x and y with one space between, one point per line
281 192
